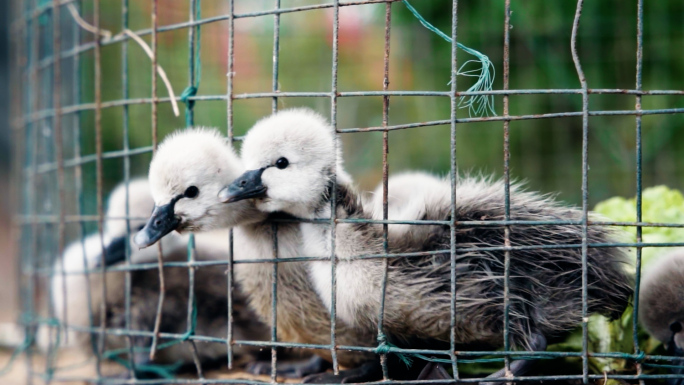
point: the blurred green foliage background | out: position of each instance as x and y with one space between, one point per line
545 153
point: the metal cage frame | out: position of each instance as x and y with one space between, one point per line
40 109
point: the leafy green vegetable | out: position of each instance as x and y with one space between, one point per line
660 204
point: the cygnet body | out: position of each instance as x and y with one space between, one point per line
661 305
201 161
292 160
209 288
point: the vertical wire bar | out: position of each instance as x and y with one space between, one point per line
276 52
58 158
57 122
99 172
34 105
637 284
190 119
190 114
385 188
155 102
127 176
274 277
274 304
160 254
507 185
192 257
231 64
229 117
585 185
333 200
20 48
454 171
78 179
229 274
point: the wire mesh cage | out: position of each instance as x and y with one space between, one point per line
92 105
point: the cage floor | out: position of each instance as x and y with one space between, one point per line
74 364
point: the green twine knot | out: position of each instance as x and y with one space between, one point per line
385 347
187 94
640 357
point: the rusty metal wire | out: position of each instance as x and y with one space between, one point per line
36 171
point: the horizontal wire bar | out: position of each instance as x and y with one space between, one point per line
52 166
208 381
514 117
50 219
47 62
470 353
567 91
48 113
47 167
196 264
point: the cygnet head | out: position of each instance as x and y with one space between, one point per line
291 157
661 301
188 170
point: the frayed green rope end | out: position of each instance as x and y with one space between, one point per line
477 105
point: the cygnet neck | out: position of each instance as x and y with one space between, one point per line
347 203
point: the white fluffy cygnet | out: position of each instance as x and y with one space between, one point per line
186 174
210 288
294 165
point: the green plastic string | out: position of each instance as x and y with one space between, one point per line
163 371
664 366
385 347
640 356
191 90
160 370
477 105
184 97
28 342
50 370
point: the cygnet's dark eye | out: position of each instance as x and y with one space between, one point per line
675 327
191 192
282 163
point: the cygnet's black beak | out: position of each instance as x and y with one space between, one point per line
247 185
162 222
115 252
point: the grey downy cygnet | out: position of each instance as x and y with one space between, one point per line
186 174
210 290
661 306
293 160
